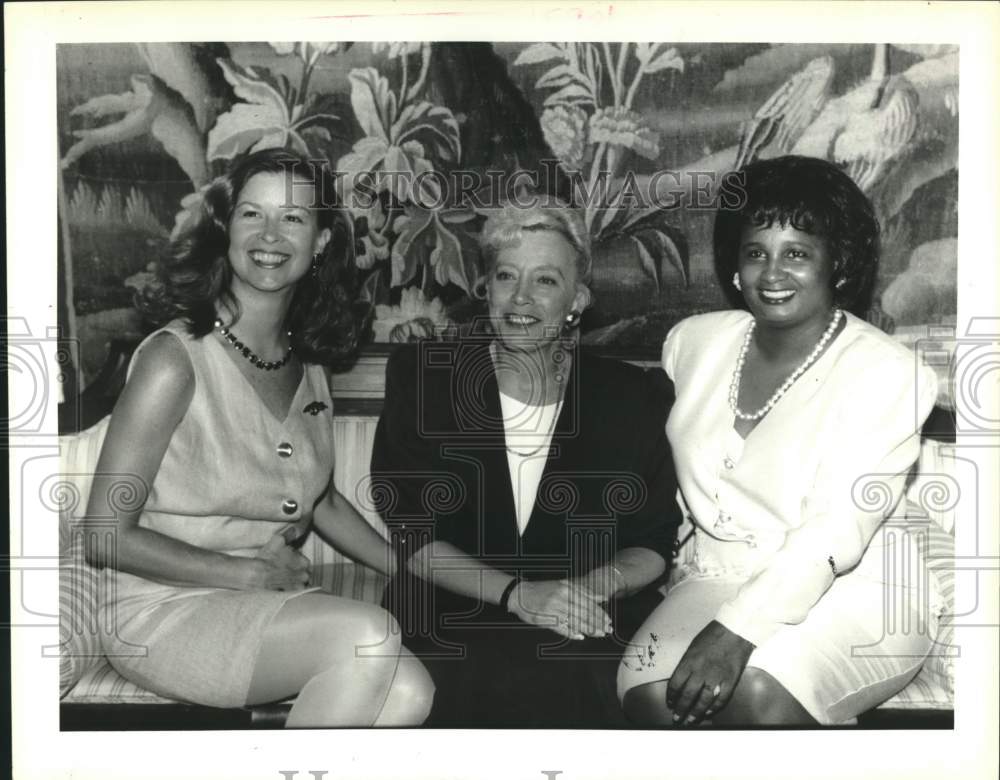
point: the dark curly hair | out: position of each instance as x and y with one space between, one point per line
813 196
197 274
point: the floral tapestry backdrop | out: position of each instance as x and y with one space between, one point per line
426 137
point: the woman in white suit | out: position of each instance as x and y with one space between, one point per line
793 431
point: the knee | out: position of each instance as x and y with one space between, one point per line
755 696
372 630
415 689
646 704
761 700
362 635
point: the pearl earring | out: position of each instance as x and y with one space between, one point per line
736 281
572 318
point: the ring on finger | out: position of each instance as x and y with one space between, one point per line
717 690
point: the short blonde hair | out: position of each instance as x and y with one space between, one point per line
506 226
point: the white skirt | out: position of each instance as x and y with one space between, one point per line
861 643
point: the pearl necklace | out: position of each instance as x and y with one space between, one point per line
249 354
734 387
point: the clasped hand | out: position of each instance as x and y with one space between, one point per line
568 608
278 565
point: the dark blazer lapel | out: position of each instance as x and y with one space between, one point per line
481 436
546 530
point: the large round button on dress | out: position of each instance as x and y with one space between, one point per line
288 506
285 449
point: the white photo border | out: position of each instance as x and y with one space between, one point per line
32 31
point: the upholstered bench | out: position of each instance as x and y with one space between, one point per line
929 509
96 697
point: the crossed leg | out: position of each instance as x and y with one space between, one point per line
344 661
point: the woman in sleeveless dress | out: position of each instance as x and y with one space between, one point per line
218 460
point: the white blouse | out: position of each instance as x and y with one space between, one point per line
528 434
798 501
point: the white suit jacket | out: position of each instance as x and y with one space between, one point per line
799 501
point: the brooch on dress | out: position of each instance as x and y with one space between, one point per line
314 408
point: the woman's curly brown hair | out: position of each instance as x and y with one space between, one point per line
197 274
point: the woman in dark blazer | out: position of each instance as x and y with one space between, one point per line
530 490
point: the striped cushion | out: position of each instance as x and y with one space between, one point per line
940 664
922 693
333 571
934 685
103 685
78 583
350 580
934 494
80 647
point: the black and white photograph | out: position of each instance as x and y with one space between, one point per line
452 399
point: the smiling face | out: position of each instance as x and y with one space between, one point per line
272 239
531 289
785 275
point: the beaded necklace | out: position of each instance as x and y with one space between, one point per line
734 387
249 354
547 436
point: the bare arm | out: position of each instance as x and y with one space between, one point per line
632 570
153 403
340 524
448 567
556 604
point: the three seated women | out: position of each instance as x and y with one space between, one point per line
530 490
